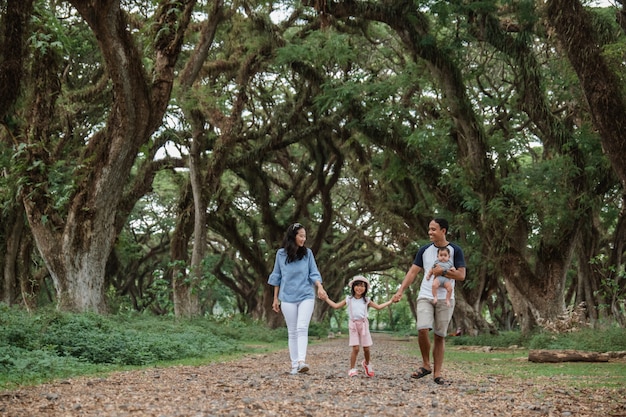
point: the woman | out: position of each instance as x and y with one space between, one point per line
294 278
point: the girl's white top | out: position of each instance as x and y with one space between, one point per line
357 308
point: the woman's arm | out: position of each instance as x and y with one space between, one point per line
275 303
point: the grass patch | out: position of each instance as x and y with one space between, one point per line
502 360
50 345
514 364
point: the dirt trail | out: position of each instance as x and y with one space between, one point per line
260 385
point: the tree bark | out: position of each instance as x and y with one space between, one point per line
30 282
11 261
551 356
539 294
468 320
14 18
12 52
179 250
189 304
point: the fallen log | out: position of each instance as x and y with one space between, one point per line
541 356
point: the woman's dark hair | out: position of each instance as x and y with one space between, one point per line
294 252
364 292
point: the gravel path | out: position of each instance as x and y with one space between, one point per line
260 385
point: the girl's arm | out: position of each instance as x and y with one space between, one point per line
334 304
380 306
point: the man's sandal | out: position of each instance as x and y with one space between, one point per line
421 373
440 381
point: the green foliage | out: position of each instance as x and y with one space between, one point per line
242 328
402 317
36 348
19 365
605 340
52 344
394 113
502 339
612 282
51 33
318 330
596 340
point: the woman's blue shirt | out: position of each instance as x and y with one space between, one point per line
296 279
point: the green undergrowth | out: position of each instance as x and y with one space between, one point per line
601 339
48 345
39 347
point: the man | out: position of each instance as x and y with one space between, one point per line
433 316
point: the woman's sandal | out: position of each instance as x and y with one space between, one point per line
421 373
440 381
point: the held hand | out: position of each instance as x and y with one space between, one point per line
397 296
321 293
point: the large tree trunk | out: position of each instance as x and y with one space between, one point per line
616 264
14 18
75 247
30 284
179 251
189 305
468 320
589 277
536 293
78 276
15 232
12 51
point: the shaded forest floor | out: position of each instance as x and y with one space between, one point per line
260 384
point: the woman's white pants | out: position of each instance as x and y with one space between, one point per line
298 316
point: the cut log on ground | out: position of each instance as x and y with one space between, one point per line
566 356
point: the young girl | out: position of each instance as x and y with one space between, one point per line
359 325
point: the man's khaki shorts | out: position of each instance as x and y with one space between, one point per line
439 314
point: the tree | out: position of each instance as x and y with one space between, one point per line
359 119
75 231
601 84
474 175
